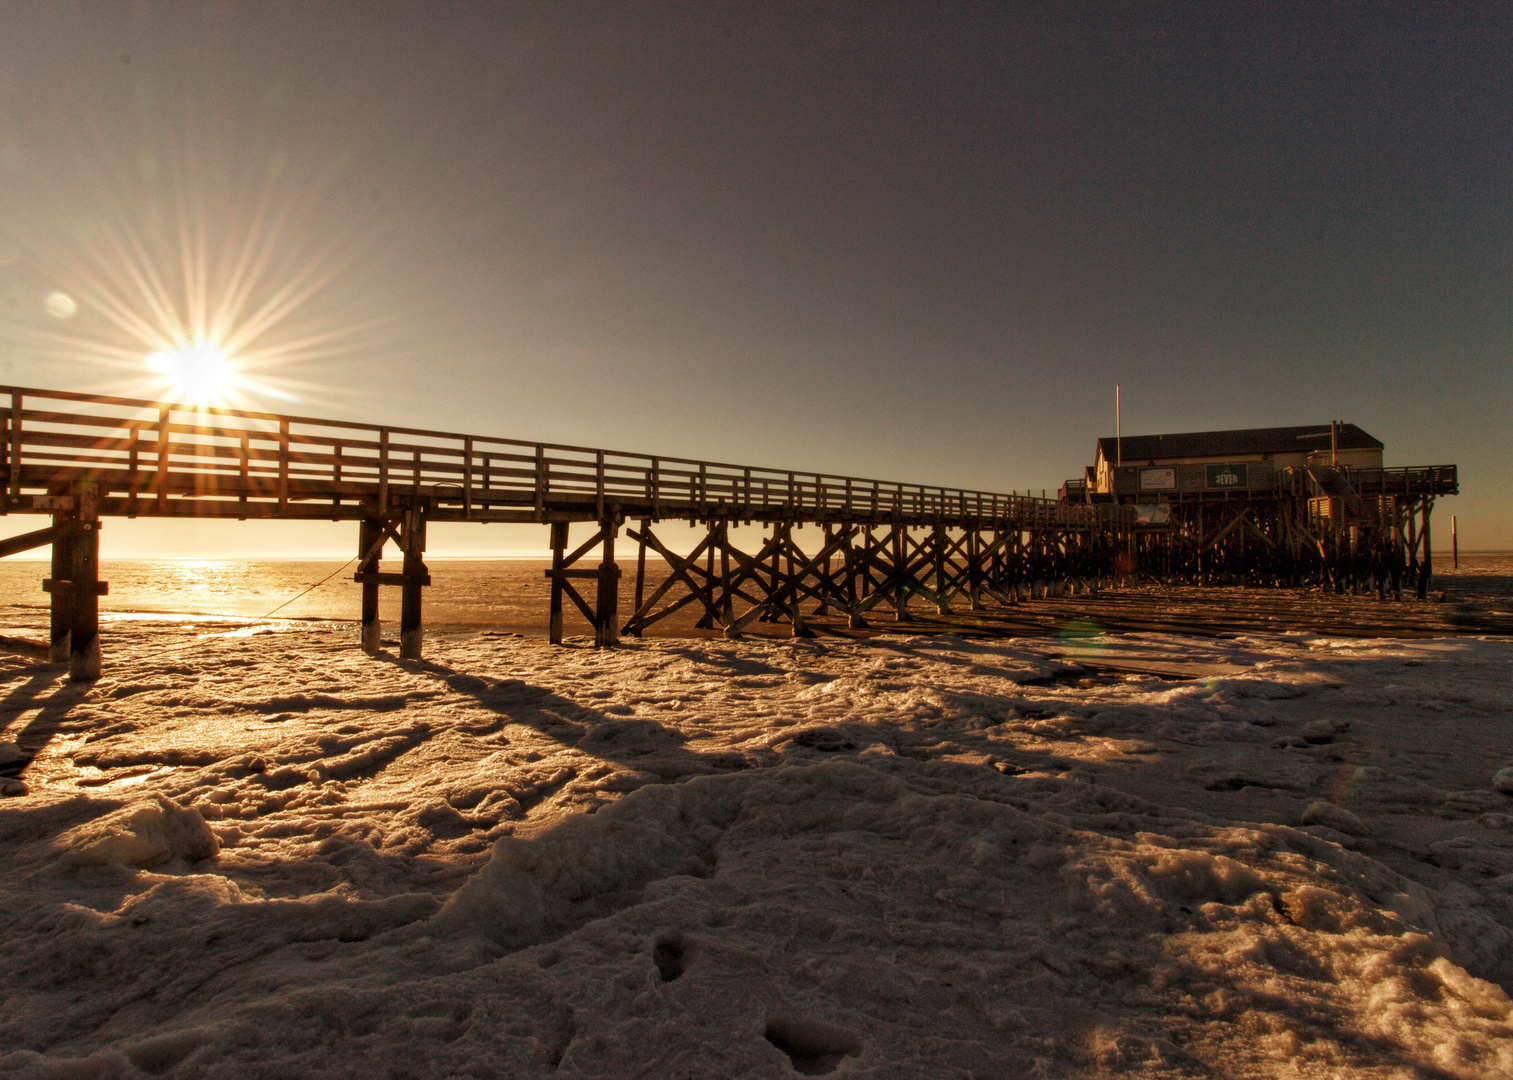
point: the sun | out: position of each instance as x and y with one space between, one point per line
198 374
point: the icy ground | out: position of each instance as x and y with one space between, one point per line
269 856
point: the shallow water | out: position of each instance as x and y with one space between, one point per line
512 595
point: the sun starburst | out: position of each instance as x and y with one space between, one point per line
202 289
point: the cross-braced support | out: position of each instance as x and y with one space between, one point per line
857 568
404 523
604 615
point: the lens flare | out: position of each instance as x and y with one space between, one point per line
60 305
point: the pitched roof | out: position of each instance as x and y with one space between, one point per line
1278 440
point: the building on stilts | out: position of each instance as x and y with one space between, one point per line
1312 505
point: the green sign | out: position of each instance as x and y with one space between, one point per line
1226 476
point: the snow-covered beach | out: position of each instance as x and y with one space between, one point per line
266 855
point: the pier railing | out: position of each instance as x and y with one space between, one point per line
1263 479
153 458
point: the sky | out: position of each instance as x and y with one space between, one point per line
918 242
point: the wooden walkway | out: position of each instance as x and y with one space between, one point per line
81 457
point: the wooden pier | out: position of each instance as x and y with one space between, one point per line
81 458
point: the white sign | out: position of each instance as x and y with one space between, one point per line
1158 479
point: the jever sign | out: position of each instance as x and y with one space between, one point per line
1226 476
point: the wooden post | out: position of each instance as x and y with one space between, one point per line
900 565
797 616
245 472
162 480
599 484
974 566
641 572
411 631
132 464
825 542
559 548
707 620
383 470
938 558
727 604
61 595
1454 545
76 587
283 466
1427 562
369 554
607 603
84 633
467 476
854 621
541 482
15 446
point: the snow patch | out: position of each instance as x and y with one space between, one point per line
146 833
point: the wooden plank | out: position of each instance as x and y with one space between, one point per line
582 605
162 480
14 545
388 578
15 444
383 470
31 648
541 483
283 465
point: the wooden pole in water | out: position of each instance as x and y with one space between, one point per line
1454 545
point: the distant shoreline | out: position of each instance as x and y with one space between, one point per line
544 557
